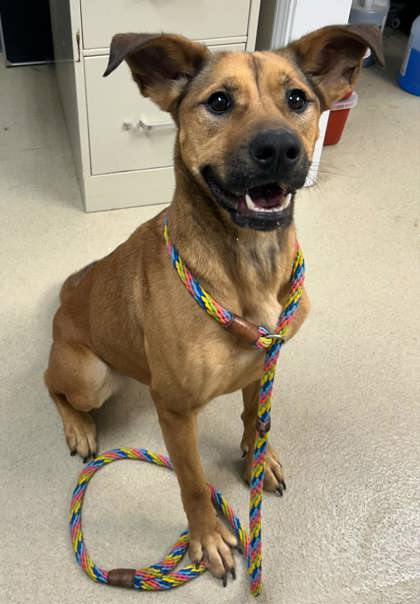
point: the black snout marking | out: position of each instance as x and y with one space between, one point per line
272 150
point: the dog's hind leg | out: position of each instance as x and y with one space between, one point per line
73 281
78 381
273 477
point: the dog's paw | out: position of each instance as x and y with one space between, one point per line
80 434
273 472
274 475
213 544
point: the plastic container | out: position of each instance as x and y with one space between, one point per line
409 78
338 116
369 12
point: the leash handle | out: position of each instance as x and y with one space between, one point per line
160 576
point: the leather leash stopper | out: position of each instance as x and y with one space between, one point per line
243 328
122 577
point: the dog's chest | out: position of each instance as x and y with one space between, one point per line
226 362
224 367
260 278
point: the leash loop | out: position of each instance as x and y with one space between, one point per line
156 577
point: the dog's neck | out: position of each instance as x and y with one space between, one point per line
241 267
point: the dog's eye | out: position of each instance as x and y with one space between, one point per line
296 99
219 102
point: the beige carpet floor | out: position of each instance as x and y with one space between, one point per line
346 413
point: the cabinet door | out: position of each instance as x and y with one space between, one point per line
119 118
198 19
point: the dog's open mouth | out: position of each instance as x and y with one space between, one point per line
263 207
269 198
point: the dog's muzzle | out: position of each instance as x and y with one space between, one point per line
260 180
262 207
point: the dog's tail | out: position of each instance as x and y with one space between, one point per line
73 281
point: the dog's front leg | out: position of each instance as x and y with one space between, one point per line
209 538
273 477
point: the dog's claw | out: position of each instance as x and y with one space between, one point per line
73 453
243 454
233 573
94 454
85 459
198 563
283 485
279 490
224 580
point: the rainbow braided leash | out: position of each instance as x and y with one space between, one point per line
163 575
272 343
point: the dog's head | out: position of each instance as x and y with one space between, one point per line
247 122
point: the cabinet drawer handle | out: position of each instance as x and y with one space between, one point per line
145 126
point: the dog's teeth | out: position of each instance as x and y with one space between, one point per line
286 202
249 203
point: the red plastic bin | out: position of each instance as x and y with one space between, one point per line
338 116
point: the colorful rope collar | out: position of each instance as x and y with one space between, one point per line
162 576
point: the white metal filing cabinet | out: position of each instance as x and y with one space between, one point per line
118 163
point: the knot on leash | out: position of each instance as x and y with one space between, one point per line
263 427
267 339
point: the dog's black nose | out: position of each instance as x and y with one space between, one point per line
275 149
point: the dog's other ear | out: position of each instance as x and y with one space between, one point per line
161 64
331 57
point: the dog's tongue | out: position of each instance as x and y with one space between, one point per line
267 196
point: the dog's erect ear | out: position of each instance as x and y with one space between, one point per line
161 64
331 57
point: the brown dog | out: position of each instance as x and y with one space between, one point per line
247 125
